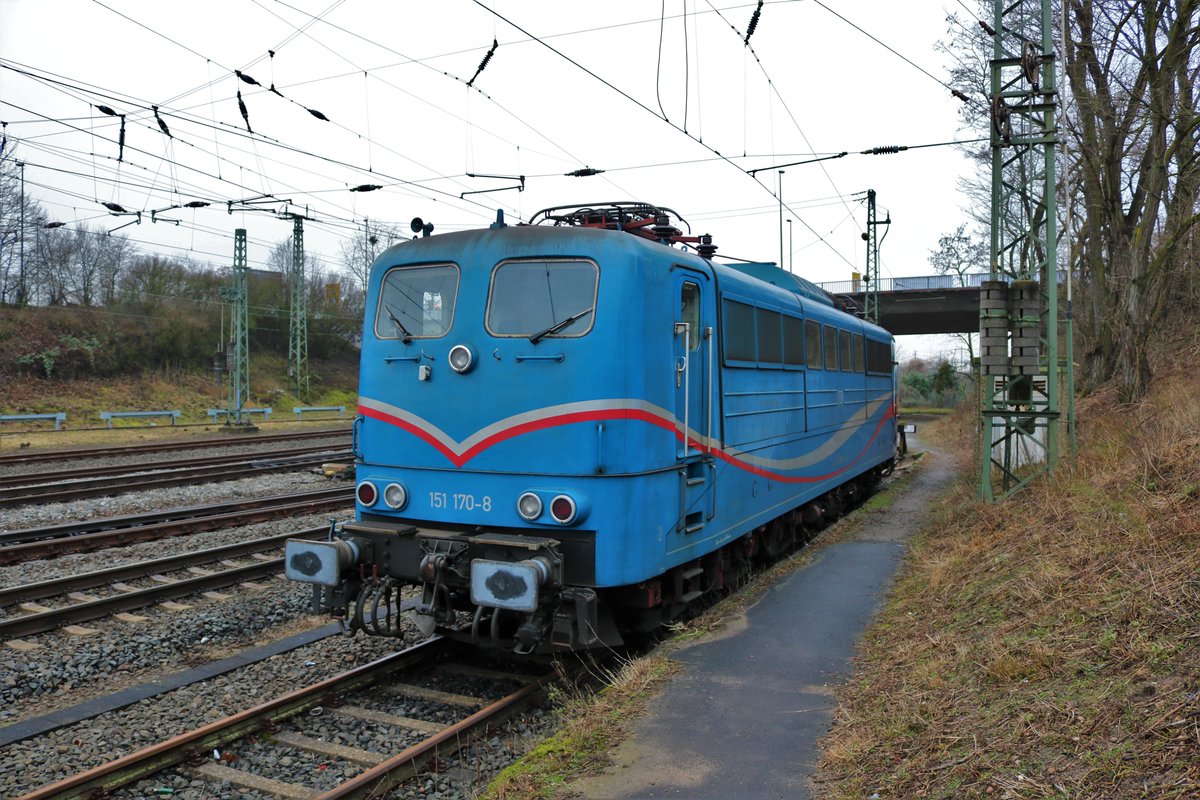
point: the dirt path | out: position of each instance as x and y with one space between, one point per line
744 718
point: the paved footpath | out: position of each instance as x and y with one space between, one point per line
743 719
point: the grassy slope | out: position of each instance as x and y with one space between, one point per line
333 383
1048 646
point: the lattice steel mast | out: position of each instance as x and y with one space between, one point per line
298 329
871 274
1019 304
237 354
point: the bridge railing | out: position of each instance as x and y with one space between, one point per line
921 283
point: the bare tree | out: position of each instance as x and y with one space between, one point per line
1133 70
961 254
360 250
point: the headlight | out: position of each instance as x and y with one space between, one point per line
395 496
461 358
529 506
366 493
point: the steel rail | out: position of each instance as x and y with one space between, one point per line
192 517
154 447
34 478
30 624
385 776
144 569
102 487
201 741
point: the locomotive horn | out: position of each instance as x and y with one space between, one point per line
419 226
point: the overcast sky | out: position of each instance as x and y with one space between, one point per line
391 79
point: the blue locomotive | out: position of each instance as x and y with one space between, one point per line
569 431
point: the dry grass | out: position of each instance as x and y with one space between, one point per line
592 725
1046 646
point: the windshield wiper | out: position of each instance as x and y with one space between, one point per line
558 326
406 337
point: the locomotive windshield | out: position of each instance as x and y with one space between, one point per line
542 298
416 302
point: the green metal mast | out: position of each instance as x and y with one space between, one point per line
871 274
238 350
1019 304
298 330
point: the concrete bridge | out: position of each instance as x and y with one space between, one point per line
926 304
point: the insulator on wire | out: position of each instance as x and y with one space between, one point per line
245 113
990 30
960 95
121 141
753 22
162 123
584 172
116 208
107 110
365 187
486 58
246 78
196 204
317 114
885 150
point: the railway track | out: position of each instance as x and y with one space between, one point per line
86 608
340 771
78 537
99 487
108 451
38 478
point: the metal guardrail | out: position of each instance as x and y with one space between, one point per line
298 410
59 418
217 412
920 283
109 416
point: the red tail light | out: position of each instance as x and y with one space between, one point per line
367 493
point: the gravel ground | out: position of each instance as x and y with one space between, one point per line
173 497
70 669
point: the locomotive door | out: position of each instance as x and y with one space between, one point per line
693 368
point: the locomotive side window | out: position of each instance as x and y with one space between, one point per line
770 337
844 347
542 298
879 357
417 302
812 343
860 363
740 332
690 313
831 347
793 341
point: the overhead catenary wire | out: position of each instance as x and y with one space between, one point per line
645 108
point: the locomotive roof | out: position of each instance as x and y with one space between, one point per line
497 243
